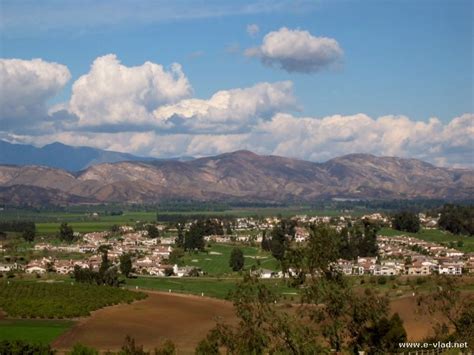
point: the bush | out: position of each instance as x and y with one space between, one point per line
382 280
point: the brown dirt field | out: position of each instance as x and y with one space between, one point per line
417 326
183 319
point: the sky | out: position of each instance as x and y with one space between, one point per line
304 79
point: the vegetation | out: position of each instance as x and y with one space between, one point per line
17 347
153 232
281 234
33 330
406 221
457 219
236 261
125 264
346 321
66 233
59 300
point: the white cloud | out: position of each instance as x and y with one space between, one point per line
309 138
253 29
26 86
297 51
229 110
112 93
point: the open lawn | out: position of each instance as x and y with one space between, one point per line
33 330
437 236
215 260
210 286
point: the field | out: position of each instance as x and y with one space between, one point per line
183 319
48 222
437 236
215 261
33 330
59 299
210 287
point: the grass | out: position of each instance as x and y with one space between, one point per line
215 261
33 330
210 286
437 236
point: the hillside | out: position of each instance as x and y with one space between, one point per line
241 176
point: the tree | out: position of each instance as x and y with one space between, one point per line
29 235
126 264
176 256
457 219
280 235
266 243
66 233
180 238
80 349
406 221
194 237
236 261
153 232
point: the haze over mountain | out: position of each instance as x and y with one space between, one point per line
58 155
237 176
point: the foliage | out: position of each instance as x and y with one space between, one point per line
455 308
406 221
66 233
153 232
125 264
80 349
457 219
236 261
59 300
176 256
281 234
16 226
262 328
18 347
194 237
131 348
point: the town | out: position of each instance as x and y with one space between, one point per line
153 249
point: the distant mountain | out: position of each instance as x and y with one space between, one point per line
240 176
61 156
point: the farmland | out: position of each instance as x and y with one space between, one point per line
33 330
59 299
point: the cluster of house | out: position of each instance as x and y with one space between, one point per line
404 255
151 254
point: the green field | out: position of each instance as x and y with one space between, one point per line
29 299
33 330
211 287
437 236
215 261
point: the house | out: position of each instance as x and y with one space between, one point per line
267 274
450 268
418 267
64 267
163 251
7 267
35 268
184 270
301 234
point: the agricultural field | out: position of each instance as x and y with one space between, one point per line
437 236
215 260
28 299
33 330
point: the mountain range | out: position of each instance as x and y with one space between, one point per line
61 156
241 176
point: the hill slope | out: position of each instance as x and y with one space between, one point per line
245 176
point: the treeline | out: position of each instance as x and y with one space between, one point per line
106 275
352 241
457 219
193 239
26 228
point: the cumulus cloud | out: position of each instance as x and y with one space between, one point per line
309 138
297 51
253 29
112 93
228 110
26 86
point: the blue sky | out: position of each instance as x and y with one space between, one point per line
410 58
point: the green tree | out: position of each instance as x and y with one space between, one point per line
236 261
153 232
29 235
125 264
457 219
80 349
66 233
406 221
280 234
